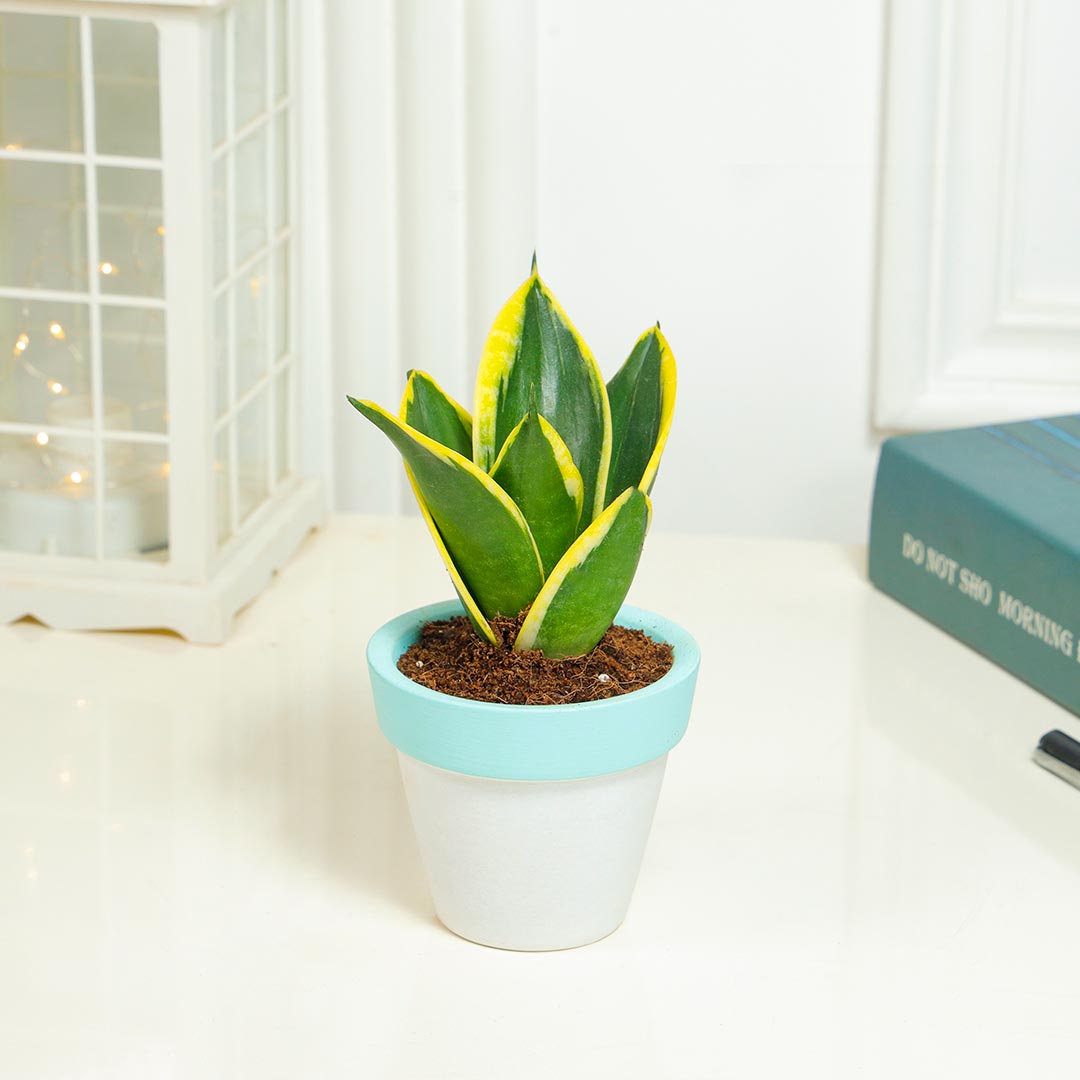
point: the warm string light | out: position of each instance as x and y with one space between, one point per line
79 477
57 388
21 349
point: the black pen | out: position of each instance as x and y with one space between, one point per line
1059 754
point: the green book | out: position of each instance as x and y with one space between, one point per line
978 530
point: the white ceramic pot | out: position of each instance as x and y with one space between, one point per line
531 819
532 864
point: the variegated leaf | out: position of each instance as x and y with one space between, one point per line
586 589
472 608
535 469
487 538
534 357
642 397
426 407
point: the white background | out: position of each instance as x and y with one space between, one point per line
714 165
710 165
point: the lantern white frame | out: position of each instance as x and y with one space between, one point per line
202 585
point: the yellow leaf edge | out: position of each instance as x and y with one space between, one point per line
500 345
483 627
668 382
409 396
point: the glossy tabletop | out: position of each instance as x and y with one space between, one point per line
207 868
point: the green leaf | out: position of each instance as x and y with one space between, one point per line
484 532
642 397
426 407
585 590
535 469
472 609
534 357
430 410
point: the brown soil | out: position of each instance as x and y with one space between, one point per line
450 657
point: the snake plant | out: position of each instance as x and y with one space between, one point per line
540 499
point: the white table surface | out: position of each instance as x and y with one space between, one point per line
207 868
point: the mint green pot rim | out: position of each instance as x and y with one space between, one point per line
531 742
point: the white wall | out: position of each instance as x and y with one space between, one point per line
710 164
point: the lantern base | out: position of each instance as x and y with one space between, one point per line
201 612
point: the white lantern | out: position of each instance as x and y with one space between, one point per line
158 310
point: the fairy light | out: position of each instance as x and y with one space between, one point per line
77 478
13 146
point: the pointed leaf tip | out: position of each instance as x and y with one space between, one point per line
533 269
642 397
483 530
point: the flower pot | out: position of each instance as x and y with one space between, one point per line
531 819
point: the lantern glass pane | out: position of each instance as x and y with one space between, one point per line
282 424
281 48
45 351
133 368
47 496
131 232
281 170
126 88
250 51
251 297
251 195
217 79
252 438
221 354
40 83
42 225
136 501
222 473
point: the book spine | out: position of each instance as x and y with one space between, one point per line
978 571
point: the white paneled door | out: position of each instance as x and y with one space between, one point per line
980 257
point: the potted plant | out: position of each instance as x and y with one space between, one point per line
532 818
